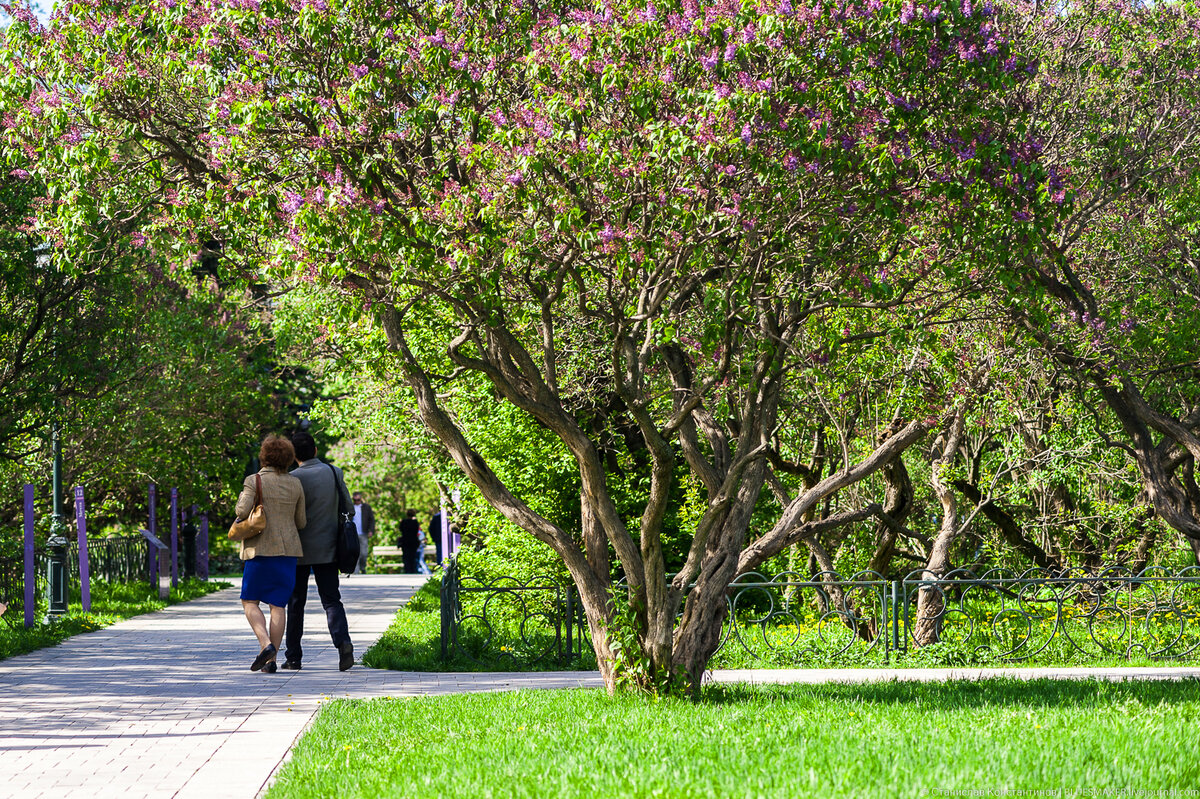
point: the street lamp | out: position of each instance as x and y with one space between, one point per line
56 546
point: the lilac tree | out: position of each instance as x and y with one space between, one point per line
1110 290
630 220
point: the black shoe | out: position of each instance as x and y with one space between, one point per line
290 665
269 668
346 651
263 656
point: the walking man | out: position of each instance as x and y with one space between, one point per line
364 522
323 484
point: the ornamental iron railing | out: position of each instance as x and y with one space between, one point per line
114 560
1000 615
537 621
123 559
12 587
1018 616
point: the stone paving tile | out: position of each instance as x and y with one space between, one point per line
781 676
154 704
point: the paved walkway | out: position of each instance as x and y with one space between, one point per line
164 705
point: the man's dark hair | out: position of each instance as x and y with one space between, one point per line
412 514
306 448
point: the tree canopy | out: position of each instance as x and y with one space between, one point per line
747 253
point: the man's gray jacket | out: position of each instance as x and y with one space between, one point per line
319 536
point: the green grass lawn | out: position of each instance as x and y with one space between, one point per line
111 603
888 739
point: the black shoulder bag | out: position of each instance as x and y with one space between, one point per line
347 534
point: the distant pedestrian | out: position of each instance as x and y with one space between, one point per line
422 566
435 530
364 522
270 571
323 484
410 541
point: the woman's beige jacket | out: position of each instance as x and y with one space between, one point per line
283 503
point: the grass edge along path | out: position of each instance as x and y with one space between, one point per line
1085 737
111 603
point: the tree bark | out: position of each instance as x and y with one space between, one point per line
706 609
897 504
930 600
595 543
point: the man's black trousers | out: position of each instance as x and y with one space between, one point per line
331 599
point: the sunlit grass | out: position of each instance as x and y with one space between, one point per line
898 739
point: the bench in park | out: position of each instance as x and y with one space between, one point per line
391 559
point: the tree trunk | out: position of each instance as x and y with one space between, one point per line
598 612
1173 503
897 504
595 543
931 601
592 587
1149 533
706 608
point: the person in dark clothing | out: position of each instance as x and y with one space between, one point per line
323 484
435 532
410 540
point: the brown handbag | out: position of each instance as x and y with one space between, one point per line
256 522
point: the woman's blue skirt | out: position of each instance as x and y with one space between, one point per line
269 579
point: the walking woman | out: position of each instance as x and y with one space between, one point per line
270 572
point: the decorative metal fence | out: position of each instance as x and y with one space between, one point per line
12 588
1015 617
998 616
794 618
119 560
114 560
538 621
